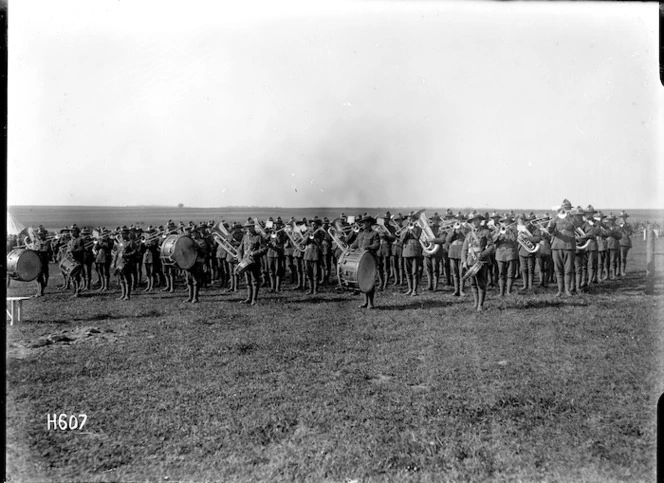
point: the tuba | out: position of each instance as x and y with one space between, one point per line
296 236
522 239
337 231
580 233
427 234
222 236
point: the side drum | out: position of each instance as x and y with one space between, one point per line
70 267
357 269
179 250
23 265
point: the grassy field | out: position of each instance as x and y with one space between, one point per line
303 388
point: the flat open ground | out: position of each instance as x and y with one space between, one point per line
303 388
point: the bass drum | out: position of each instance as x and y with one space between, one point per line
179 250
357 269
23 265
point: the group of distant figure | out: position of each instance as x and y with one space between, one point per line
574 248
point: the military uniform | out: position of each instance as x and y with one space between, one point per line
563 247
76 249
313 257
433 256
412 253
196 274
169 269
150 258
126 250
276 258
582 244
614 234
625 243
544 259
455 239
384 253
507 254
252 247
397 254
369 240
103 258
43 249
477 248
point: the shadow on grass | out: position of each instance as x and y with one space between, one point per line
547 303
99 317
424 304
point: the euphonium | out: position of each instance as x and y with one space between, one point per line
427 234
221 236
335 230
522 239
580 233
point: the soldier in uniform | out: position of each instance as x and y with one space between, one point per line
251 249
477 248
492 223
625 241
275 255
613 245
88 258
76 248
592 228
563 246
196 274
43 249
600 239
412 252
384 253
102 254
580 256
397 253
367 239
543 258
313 255
289 251
432 259
455 238
507 253
237 235
168 268
125 253
328 253
298 257
137 260
150 257
445 251
530 233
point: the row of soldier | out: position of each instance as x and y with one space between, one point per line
599 245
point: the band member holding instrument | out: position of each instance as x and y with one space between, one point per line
150 257
88 258
126 251
531 234
384 253
507 253
582 242
298 257
563 246
289 251
455 238
196 274
251 249
445 250
397 252
328 252
544 258
76 249
169 270
432 260
102 254
43 249
477 248
275 255
136 261
412 252
591 228
493 224
237 235
613 245
602 254
313 255
625 241
369 240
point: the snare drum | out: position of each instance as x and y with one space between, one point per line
23 265
357 269
70 267
179 250
242 267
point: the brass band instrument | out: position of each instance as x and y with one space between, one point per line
297 238
427 234
222 236
522 239
580 233
381 228
336 231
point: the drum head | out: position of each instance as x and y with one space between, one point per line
366 272
184 252
25 265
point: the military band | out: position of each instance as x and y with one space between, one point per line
577 248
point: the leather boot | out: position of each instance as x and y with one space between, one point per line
250 294
456 287
530 281
370 299
277 284
410 286
107 283
365 301
623 270
524 281
561 286
481 293
510 282
415 283
501 287
123 289
314 287
461 284
568 285
190 289
197 290
475 297
254 299
273 283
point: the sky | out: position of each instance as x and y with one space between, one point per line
371 103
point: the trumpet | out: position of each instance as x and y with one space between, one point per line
427 234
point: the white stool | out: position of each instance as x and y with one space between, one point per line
14 309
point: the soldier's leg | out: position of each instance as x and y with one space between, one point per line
568 263
623 260
408 269
370 299
475 291
416 274
250 287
